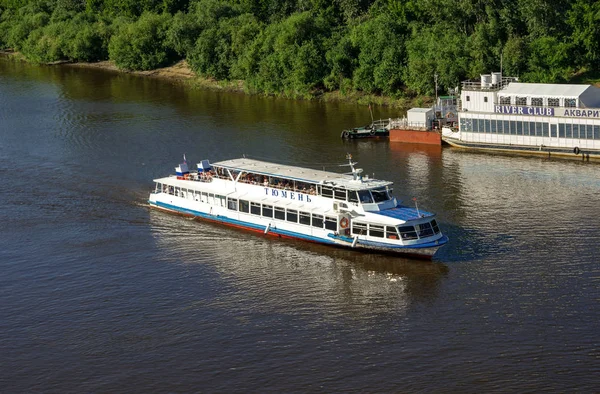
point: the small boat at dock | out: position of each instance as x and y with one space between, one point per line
378 128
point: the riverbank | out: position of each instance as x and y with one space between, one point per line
180 72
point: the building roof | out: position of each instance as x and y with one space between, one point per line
308 175
545 89
422 110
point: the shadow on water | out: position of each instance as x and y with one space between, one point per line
233 250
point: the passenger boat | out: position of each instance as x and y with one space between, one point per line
552 120
349 210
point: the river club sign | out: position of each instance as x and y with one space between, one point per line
518 110
547 111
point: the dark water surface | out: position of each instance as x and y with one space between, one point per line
100 294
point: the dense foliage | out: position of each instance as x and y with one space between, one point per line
302 47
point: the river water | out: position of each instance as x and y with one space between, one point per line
100 294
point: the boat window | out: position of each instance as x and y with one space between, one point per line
279 213
390 232
255 208
304 218
407 232
190 194
359 228
505 100
317 221
379 195
375 231
537 101
553 102
340 194
521 101
572 103
390 193
232 204
352 197
177 191
221 200
434 224
267 211
157 187
244 206
330 223
424 230
327 191
365 196
211 199
292 215
204 197
197 196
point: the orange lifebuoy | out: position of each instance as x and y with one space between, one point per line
344 223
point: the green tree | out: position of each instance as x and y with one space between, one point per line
381 55
435 49
141 44
584 20
548 61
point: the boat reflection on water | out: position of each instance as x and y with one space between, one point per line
290 274
433 151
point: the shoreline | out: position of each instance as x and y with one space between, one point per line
180 72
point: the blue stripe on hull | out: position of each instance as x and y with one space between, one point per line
239 223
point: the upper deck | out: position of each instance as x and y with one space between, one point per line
300 174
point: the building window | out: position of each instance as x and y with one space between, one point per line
305 218
537 101
407 232
390 232
267 211
485 99
244 206
468 98
505 100
330 223
232 204
553 102
375 231
359 228
292 215
317 221
255 208
571 103
521 101
279 213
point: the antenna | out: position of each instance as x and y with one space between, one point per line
416 206
435 77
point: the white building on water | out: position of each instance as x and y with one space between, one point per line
503 114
